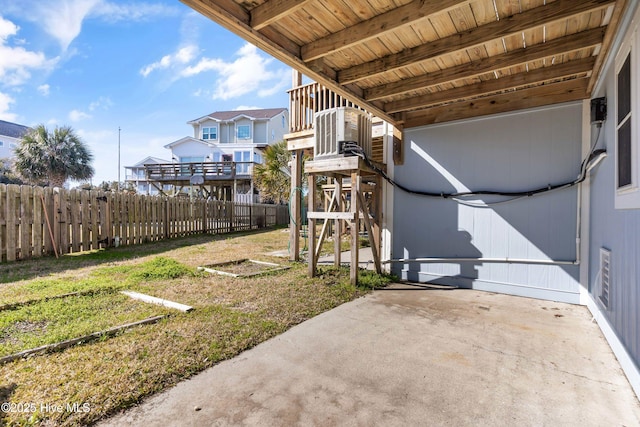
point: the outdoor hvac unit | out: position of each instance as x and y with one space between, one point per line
341 124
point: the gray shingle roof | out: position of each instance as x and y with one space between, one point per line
265 113
12 130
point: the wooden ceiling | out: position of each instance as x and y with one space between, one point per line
417 62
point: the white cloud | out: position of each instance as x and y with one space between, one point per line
44 90
16 62
63 19
5 102
135 11
7 28
103 103
249 73
77 115
246 107
181 57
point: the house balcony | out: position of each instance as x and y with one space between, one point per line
186 173
307 100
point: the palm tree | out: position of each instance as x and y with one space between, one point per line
53 157
273 177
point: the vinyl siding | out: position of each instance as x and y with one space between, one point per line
513 152
619 231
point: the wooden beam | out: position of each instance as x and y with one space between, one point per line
612 29
337 229
312 255
295 205
325 226
537 52
536 76
345 216
370 232
377 26
572 90
356 179
558 10
270 11
158 301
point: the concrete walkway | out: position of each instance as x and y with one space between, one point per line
413 355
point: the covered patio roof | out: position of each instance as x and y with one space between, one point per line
418 62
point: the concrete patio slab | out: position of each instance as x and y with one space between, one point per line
413 355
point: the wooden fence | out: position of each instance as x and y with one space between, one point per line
36 221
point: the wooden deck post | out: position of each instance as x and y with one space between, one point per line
355 226
295 205
312 254
337 229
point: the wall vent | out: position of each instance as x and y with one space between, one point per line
605 276
341 124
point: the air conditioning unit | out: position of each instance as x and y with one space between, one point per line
341 124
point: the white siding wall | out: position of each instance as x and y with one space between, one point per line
260 133
617 230
6 150
191 149
514 152
278 127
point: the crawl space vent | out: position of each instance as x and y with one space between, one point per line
605 276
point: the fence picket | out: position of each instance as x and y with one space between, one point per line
63 218
34 220
11 221
74 219
85 220
38 223
3 221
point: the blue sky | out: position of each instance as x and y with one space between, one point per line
146 67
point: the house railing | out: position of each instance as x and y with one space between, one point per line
37 221
208 170
305 101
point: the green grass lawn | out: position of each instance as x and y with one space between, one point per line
48 300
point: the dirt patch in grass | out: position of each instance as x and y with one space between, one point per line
230 315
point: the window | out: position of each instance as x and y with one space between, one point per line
624 124
210 133
1 144
627 144
241 157
192 159
244 132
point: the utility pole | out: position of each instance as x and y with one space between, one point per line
119 158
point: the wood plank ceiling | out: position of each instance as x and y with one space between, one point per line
417 62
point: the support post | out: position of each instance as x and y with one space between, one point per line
337 229
355 227
312 255
295 205
377 210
